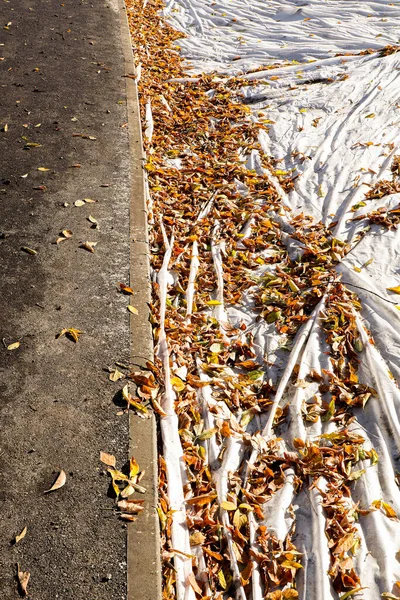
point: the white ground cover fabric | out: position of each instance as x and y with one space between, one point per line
334 121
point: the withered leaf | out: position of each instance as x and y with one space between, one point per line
70 332
21 535
23 580
59 482
107 459
89 246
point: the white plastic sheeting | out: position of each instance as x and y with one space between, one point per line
334 120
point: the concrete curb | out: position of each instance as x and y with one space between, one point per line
143 543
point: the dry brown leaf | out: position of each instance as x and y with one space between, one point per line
89 246
131 506
126 289
21 535
108 459
116 375
23 579
59 482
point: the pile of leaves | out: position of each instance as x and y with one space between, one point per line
251 252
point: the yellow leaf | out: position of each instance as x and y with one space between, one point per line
214 303
207 434
43 169
132 309
21 536
28 250
221 579
79 203
226 505
59 482
13 346
396 289
71 333
107 459
133 468
177 384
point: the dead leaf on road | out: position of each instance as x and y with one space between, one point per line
21 536
88 246
125 289
133 310
116 375
13 346
23 579
70 333
107 459
59 482
28 250
132 507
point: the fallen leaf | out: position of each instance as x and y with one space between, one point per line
226 505
132 309
107 459
89 200
193 583
89 246
177 384
28 250
13 346
127 517
71 333
126 289
131 506
214 303
203 499
116 375
59 482
43 169
93 221
79 203
20 536
396 289
23 579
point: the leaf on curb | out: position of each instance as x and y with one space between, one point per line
125 289
132 309
59 482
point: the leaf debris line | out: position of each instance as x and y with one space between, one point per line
243 430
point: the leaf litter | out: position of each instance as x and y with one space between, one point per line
222 238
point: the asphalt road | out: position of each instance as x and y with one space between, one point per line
61 67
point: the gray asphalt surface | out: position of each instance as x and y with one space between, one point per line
61 75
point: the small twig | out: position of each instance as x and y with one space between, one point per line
369 291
